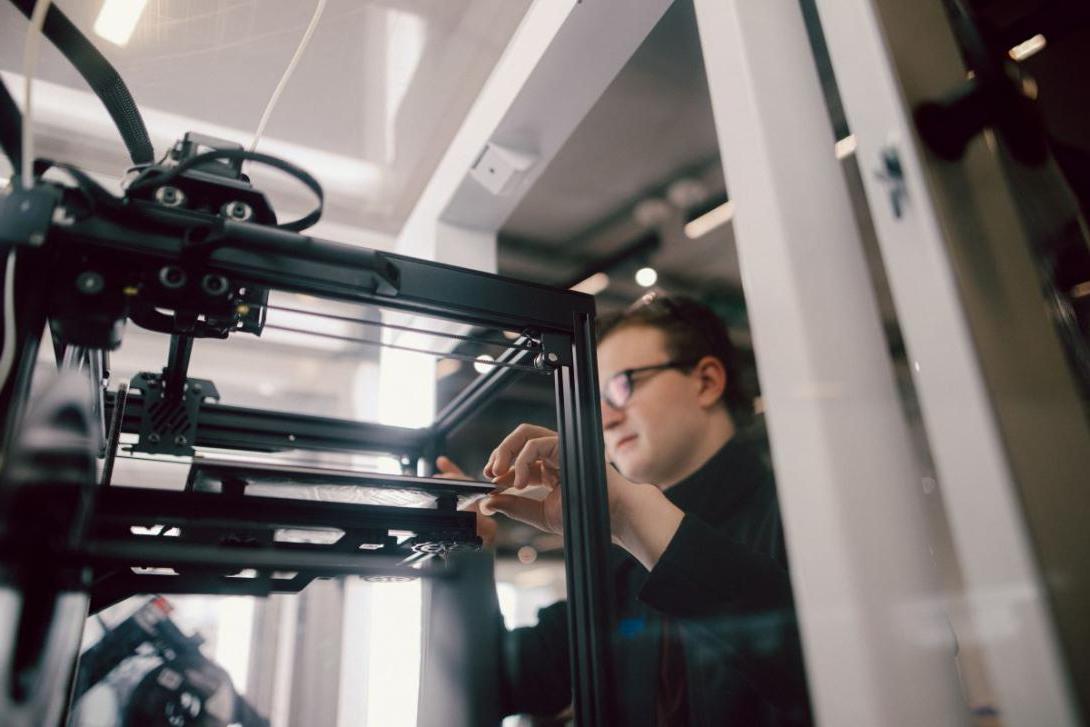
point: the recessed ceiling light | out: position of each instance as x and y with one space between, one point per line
483 364
593 285
1027 48
845 147
117 19
708 221
652 212
646 277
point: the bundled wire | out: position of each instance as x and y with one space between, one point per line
102 77
30 64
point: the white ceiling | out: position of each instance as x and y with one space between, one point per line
373 104
652 127
211 64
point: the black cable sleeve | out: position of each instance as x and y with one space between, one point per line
11 128
103 78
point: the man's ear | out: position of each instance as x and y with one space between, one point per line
712 378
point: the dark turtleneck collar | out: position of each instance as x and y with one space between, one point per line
728 477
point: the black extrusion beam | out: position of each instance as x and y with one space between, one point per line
586 531
278 259
125 506
257 430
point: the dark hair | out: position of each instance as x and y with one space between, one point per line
692 331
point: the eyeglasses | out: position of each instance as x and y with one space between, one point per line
620 386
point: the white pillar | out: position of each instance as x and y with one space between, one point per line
878 649
406 394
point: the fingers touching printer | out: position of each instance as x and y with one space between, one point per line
525 465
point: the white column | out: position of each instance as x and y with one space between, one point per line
406 395
877 647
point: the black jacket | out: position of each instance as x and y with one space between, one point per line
722 584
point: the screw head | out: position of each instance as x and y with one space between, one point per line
196 388
154 438
170 196
89 282
238 211
214 285
62 217
552 358
181 440
291 437
172 277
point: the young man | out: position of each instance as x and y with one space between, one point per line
705 622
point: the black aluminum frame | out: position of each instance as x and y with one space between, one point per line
561 320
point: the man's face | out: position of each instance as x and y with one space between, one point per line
651 437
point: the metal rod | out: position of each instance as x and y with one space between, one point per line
519 343
114 439
397 347
73 357
174 376
96 366
477 393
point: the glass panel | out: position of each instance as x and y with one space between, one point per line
1003 139
971 668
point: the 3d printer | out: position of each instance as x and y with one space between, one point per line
191 251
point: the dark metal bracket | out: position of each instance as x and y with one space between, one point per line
168 420
556 351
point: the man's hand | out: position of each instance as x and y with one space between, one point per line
486 526
530 455
642 520
527 456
